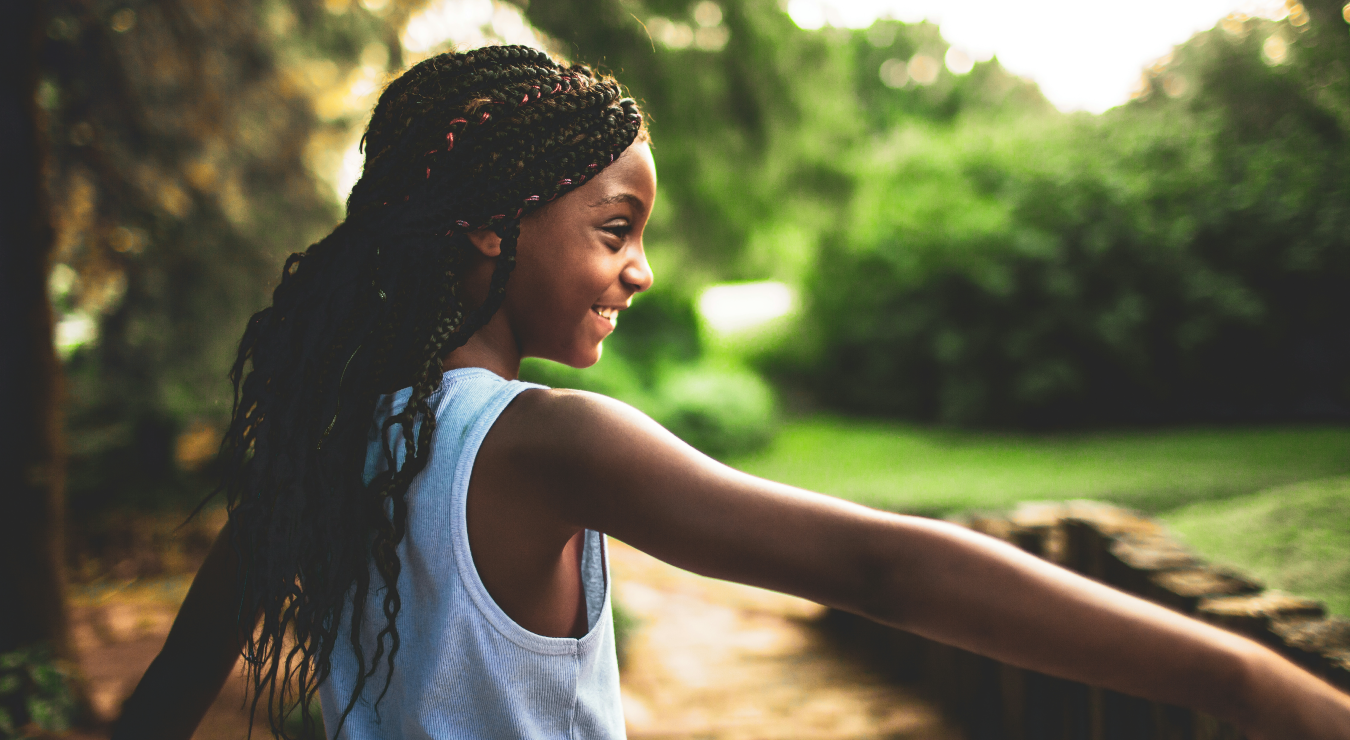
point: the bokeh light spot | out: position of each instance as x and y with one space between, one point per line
1298 15
707 14
924 69
894 73
61 280
958 62
73 330
1175 86
123 20
807 14
670 34
1275 50
712 39
126 241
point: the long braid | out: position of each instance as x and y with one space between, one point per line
460 142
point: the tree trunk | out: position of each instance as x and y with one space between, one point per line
32 580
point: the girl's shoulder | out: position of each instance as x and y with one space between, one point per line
568 445
577 425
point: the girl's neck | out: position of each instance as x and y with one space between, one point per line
493 348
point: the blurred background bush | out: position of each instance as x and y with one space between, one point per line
1180 258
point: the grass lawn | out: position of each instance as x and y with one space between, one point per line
1258 499
924 470
1295 538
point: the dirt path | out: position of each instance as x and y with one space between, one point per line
119 631
717 660
708 659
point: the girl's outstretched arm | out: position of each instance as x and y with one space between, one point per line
596 463
201 650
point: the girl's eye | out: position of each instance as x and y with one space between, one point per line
619 230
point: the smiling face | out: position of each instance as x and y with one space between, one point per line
579 261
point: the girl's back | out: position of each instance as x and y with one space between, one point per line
465 668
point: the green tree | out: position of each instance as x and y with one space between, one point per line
753 134
1183 257
181 178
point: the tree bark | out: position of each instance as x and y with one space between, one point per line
32 580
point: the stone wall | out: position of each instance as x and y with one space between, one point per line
1133 553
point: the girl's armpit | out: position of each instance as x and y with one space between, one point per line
595 463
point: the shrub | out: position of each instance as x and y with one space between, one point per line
657 363
722 411
1172 260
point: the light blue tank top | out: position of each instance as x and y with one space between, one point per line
464 668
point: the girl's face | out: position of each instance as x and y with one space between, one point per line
579 261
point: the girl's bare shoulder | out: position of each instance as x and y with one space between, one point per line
577 429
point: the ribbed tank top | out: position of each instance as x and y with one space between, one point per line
464 668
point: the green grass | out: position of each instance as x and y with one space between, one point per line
936 471
1295 538
1262 500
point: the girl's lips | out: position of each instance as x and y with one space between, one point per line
607 313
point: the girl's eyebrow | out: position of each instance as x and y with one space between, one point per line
628 198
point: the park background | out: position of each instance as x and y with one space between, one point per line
888 268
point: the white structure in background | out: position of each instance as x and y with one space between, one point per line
735 307
465 24
1084 54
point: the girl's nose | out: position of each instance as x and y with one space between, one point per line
638 273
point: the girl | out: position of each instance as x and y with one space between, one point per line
439 573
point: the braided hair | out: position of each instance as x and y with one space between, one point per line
458 143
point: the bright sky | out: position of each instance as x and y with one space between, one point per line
1084 54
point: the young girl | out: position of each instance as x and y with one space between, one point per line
439 572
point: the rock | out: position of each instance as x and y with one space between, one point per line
1253 615
1184 589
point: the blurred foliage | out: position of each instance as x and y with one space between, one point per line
1184 257
748 131
658 362
966 253
35 692
969 255
748 134
626 626
295 722
181 169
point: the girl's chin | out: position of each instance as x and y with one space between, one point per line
581 358
592 357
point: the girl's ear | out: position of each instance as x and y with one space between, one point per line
486 241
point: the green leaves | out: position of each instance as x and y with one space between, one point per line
1138 266
34 688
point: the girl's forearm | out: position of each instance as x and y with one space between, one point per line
201 650
972 591
169 702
